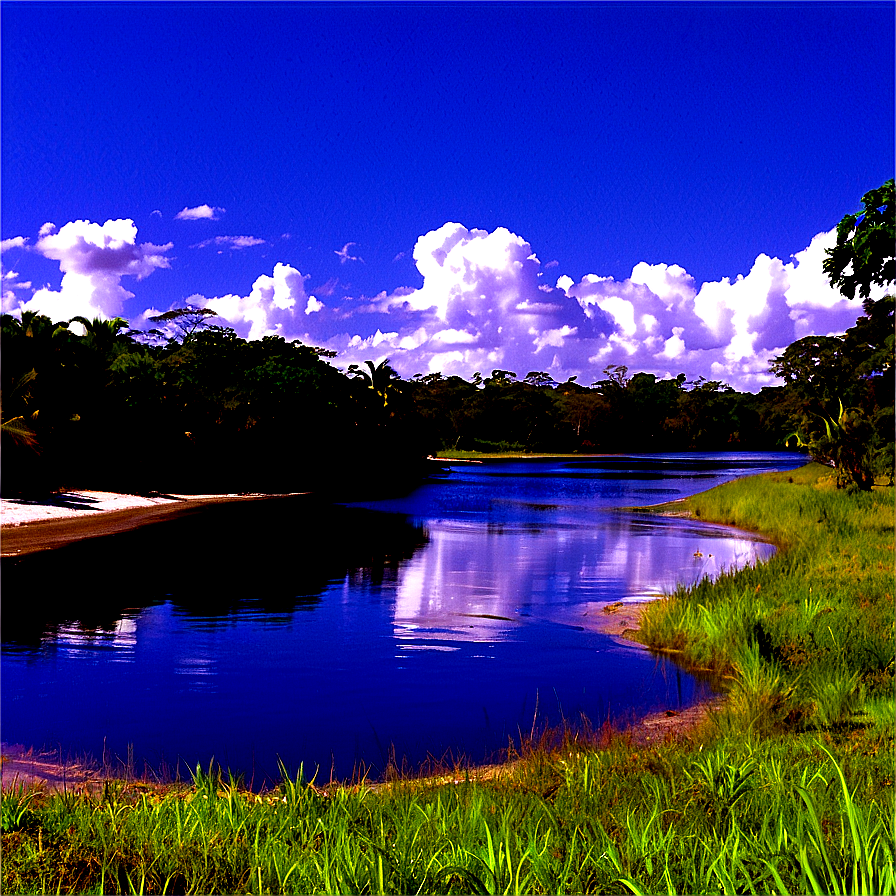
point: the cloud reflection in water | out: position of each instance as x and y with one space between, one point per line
479 589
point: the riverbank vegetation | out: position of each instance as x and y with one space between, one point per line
91 404
808 636
787 789
190 406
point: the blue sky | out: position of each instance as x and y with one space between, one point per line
456 187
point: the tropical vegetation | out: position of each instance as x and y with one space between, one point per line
193 406
787 788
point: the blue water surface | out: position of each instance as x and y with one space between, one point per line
442 624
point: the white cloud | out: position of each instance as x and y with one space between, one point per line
47 229
233 242
816 307
344 255
93 258
16 242
8 298
484 305
200 212
270 309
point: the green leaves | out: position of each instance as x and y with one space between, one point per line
15 807
864 254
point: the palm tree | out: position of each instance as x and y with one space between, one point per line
101 334
379 379
16 428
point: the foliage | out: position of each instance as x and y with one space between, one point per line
17 428
617 413
206 411
846 442
863 255
184 322
853 372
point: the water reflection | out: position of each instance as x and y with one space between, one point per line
332 636
261 560
117 640
475 584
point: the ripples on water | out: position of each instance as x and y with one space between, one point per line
435 623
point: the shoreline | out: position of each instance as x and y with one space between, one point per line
53 523
33 767
27 527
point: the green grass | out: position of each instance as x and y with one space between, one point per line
788 789
794 816
451 454
811 632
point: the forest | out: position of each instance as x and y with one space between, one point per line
192 407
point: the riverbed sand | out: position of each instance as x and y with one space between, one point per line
36 524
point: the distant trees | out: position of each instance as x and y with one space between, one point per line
616 413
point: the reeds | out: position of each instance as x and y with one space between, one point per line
772 817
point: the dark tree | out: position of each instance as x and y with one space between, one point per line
864 253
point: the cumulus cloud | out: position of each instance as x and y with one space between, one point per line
727 329
484 305
93 259
231 242
16 242
47 229
274 306
209 212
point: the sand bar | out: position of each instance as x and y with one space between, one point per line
37 524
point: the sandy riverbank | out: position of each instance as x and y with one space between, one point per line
26 767
36 524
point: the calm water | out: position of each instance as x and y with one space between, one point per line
438 624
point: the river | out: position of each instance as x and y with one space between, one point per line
439 625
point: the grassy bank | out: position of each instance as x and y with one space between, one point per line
807 638
790 790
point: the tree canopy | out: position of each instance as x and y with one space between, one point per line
840 389
863 255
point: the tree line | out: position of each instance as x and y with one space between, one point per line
200 409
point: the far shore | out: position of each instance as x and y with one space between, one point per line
27 526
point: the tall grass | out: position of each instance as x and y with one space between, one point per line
730 818
810 631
